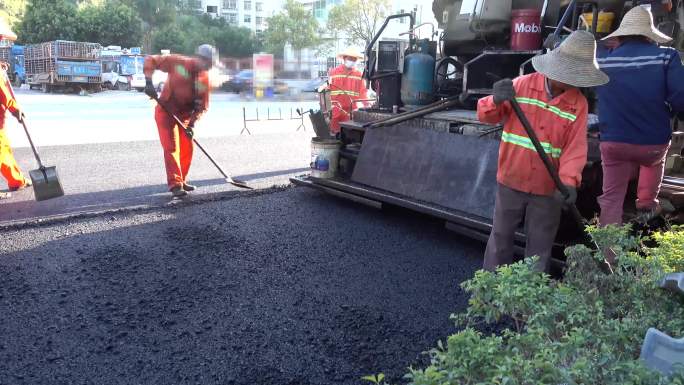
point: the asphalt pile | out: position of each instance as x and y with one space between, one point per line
286 287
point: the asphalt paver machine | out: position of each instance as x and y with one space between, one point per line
421 147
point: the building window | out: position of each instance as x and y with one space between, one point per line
212 9
259 20
248 5
403 19
319 9
232 18
230 4
248 18
259 6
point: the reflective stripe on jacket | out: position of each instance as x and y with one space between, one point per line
646 83
560 125
346 87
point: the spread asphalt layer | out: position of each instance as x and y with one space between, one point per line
286 286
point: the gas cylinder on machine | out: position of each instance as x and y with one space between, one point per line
417 81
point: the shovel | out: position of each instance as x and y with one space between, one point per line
45 179
228 178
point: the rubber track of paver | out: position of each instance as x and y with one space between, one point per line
288 287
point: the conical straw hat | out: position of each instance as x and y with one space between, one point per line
5 31
639 21
350 52
573 62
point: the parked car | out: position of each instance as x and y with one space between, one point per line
158 79
241 82
138 82
314 84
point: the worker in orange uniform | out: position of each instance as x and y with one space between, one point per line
558 112
346 88
8 165
186 95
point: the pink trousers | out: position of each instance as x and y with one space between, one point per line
623 162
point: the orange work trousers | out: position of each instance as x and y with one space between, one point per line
8 165
177 147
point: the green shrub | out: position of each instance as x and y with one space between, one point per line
670 249
587 329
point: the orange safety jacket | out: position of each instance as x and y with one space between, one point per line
346 87
179 92
7 100
560 124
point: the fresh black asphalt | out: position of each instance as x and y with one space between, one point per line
282 286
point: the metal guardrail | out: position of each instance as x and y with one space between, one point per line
280 117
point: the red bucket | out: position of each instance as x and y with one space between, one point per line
526 30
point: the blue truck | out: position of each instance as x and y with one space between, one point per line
13 57
121 68
64 66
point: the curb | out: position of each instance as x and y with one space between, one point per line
52 220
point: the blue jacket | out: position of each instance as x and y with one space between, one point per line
646 87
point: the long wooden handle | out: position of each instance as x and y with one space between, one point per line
550 168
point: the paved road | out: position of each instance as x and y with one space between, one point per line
106 150
275 287
118 116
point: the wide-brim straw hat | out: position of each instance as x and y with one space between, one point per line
573 62
6 32
350 52
639 21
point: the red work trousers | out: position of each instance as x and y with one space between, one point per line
622 162
177 147
8 165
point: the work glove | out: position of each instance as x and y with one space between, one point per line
19 114
149 89
197 106
503 91
571 198
190 129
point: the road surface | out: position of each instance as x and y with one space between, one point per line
117 284
107 152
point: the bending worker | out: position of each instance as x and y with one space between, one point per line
346 87
186 95
557 110
646 87
8 165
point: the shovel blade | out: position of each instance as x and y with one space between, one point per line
46 183
238 183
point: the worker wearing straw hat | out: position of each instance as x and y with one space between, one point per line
635 110
346 87
558 111
8 165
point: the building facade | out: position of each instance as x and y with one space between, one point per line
250 14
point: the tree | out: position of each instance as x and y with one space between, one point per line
236 42
111 23
190 31
46 20
357 20
294 25
12 10
154 14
